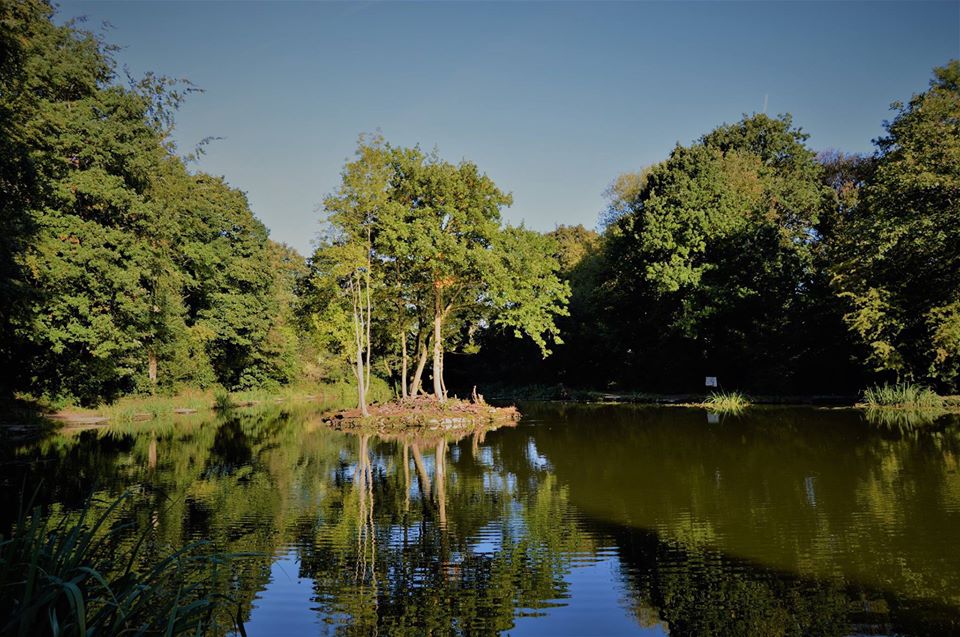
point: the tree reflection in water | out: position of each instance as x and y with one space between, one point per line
781 522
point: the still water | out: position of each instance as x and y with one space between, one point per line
579 520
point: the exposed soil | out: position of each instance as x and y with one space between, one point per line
424 413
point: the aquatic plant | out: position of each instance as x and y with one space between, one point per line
67 574
727 402
222 401
904 395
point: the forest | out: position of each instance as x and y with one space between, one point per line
744 254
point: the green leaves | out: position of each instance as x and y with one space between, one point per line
115 260
428 233
526 292
897 257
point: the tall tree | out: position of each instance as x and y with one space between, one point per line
897 259
355 213
419 248
470 270
120 270
710 261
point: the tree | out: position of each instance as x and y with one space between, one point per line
709 265
418 247
355 213
467 270
898 257
121 271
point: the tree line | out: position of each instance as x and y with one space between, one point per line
745 255
121 270
748 256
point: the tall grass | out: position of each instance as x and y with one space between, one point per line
69 576
904 395
732 402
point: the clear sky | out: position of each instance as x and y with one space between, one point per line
552 100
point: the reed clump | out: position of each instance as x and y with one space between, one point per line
732 402
902 395
68 574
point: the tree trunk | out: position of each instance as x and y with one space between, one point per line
152 369
403 364
418 374
369 311
361 389
443 384
438 349
358 334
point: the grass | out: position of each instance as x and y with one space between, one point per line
732 402
69 575
902 395
136 409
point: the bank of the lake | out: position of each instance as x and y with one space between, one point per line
27 412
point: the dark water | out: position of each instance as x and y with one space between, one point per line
581 520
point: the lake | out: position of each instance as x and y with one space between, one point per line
579 520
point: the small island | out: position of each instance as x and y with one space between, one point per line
423 414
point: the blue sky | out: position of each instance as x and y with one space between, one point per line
552 100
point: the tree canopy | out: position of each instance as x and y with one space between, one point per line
122 270
898 259
423 239
743 254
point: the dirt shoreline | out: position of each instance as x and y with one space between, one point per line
422 413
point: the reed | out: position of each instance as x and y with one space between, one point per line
903 395
732 402
68 575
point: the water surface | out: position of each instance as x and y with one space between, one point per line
580 520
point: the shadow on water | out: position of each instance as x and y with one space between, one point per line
583 519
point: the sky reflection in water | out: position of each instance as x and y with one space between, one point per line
580 520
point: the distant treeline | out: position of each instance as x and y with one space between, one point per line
748 256
744 255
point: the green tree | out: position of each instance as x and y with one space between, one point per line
468 270
418 255
897 258
711 262
355 214
121 271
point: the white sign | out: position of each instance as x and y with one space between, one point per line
711 381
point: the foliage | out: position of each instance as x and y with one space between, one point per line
897 257
732 402
747 256
743 255
417 260
710 266
63 575
905 395
121 271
